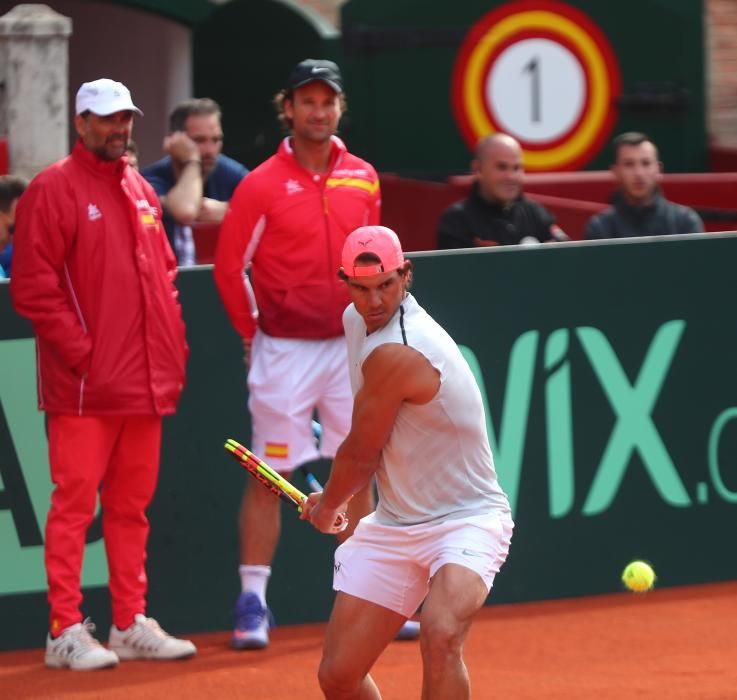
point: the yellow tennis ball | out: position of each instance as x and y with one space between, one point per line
638 576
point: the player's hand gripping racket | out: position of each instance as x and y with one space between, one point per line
277 484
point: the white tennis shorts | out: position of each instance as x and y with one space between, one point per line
392 565
289 379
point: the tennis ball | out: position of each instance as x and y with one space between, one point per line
638 576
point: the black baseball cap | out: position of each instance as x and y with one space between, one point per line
312 69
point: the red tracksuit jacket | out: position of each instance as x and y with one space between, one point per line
290 224
94 273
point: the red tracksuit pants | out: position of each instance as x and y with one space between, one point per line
119 458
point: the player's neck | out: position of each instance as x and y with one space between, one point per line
314 156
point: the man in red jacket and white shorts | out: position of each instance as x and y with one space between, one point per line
287 221
94 273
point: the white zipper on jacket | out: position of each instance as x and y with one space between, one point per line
84 328
38 377
81 393
326 217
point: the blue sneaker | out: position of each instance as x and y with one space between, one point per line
409 632
252 623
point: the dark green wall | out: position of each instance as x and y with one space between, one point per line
609 373
663 312
187 11
193 557
242 56
399 57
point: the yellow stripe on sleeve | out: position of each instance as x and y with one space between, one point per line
370 187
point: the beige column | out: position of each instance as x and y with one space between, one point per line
34 77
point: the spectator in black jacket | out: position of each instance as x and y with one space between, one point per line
496 212
638 207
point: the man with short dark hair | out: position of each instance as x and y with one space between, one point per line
195 180
94 274
11 188
287 221
638 207
442 527
496 212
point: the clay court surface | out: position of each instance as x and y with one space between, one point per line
671 644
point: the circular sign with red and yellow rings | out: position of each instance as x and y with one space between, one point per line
540 71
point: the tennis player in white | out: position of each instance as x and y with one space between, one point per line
443 525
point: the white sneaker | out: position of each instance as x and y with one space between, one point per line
77 649
144 639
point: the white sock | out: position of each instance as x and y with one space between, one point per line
254 579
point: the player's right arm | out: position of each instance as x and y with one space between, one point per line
46 220
242 226
392 374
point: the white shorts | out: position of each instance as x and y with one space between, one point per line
392 565
289 379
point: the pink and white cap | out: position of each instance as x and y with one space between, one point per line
379 240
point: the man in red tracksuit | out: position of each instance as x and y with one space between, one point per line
287 221
94 273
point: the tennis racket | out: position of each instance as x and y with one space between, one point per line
276 483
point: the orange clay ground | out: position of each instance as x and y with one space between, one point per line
670 644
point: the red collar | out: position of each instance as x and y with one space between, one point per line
106 168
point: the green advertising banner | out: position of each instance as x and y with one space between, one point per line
608 375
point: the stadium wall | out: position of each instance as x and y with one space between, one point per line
608 371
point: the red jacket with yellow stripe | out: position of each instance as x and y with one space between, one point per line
289 224
94 273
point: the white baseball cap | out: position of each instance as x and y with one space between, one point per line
103 97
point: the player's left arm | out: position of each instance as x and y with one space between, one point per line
392 374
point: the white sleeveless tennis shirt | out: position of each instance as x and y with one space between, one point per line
437 464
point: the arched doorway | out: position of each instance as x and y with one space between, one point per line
242 55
